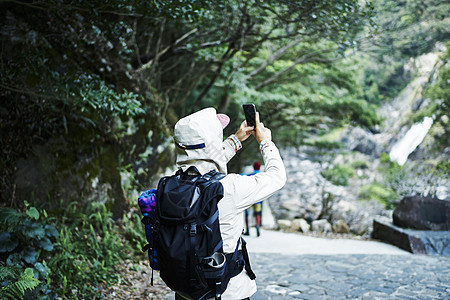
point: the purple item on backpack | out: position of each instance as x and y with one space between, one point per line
147 202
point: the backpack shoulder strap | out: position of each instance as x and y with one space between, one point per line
213 175
247 266
190 171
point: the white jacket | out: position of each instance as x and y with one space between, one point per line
240 192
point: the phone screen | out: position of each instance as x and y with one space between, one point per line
250 112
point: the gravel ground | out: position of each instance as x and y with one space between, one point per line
135 282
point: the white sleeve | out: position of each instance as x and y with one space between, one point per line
230 146
248 190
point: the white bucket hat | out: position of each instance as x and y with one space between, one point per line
198 139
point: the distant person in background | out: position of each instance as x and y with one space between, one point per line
257 207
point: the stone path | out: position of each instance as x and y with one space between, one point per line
294 266
351 276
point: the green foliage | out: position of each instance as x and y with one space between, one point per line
16 283
108 104
339 174
410 28
443 168
134 231
382 81
325 145
311 99
439 92
81 254
89 247
26 243
380 193
386 162
359 164
404 30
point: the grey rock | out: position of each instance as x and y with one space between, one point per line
357 139
300 224
425 213
414 241
321 226
284 224
291 205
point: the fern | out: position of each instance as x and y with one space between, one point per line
17 289
8 272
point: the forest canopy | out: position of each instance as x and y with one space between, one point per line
104 81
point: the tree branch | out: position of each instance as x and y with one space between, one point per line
187 91
29 93
280 52
210 84
303 59
136 47
72 8
159 54
240 31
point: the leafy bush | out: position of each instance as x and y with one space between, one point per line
77 260
339 174
26 241
359 164
87 251
388 165
382 194
134 231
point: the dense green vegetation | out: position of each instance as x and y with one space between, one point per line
439 106
73 253
90 91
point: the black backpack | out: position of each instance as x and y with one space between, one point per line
186 236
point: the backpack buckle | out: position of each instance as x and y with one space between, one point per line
146 220
193 229
156 226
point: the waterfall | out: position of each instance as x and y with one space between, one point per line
406 145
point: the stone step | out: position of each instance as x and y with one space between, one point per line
433 242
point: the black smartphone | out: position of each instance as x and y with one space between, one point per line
250 114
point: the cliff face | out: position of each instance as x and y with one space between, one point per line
332 186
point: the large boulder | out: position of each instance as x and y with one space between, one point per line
423 213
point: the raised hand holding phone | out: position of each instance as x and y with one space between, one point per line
244 131
261 133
